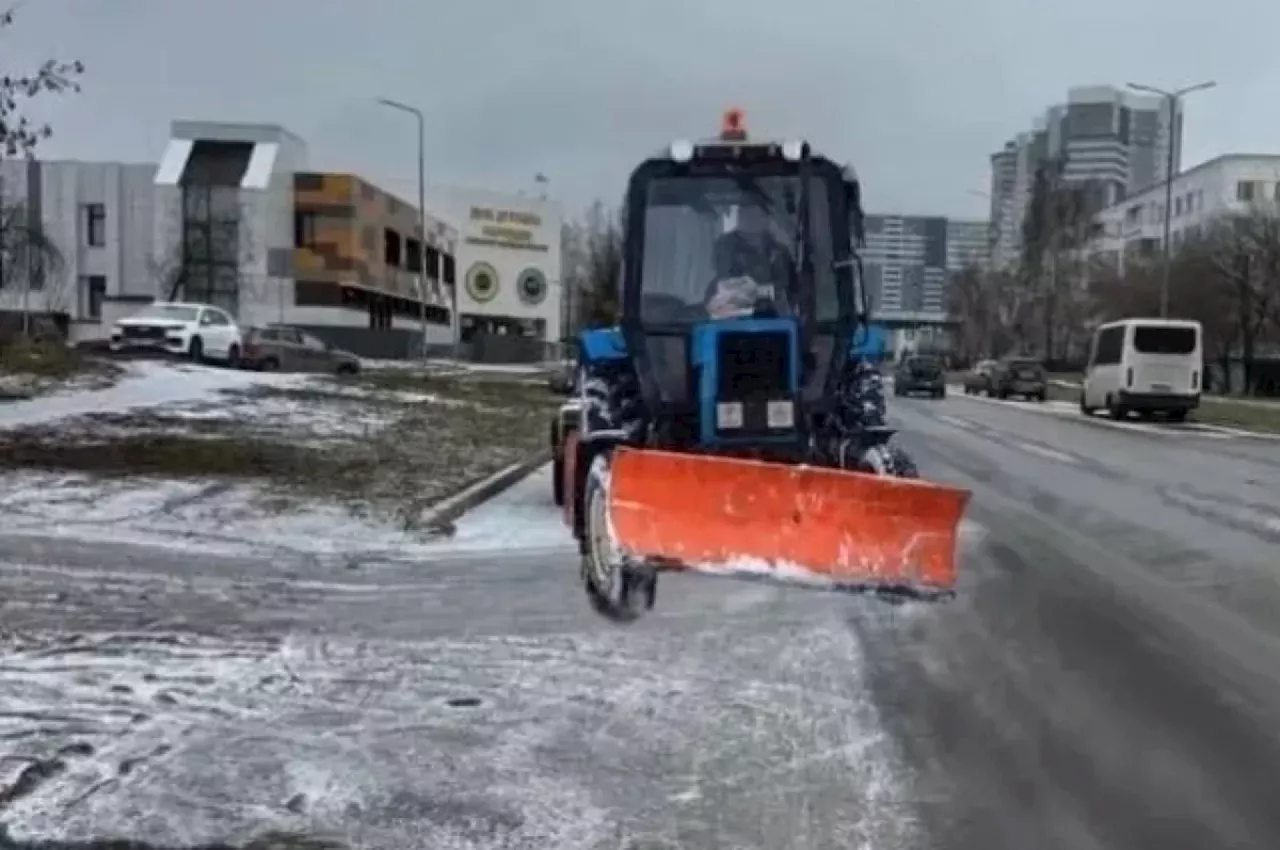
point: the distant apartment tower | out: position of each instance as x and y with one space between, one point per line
909 259
1115 139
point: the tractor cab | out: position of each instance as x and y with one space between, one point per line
739 269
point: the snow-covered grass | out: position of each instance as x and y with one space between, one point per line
446 366
144 384
34 367
329 458
243 519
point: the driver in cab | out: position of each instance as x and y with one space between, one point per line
751 265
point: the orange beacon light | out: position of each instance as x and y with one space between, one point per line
732 127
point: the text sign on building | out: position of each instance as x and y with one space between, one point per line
505 229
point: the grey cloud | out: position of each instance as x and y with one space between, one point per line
916 94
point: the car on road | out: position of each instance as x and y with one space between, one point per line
1148 366
198 331
1012 376
281 347
920 373
977 381
1020 376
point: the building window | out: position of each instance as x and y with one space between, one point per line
95 225
304 229
1244 191
1177 206
449 271
317 293
413 256
93 288
433 263
391 248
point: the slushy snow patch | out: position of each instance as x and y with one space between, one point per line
148 384
208 516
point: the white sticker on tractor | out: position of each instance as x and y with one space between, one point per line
781 414
729 414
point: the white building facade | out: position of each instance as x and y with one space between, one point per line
1232 183
225 215
230 216
509 274
100 216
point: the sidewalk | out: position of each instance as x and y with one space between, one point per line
1263 403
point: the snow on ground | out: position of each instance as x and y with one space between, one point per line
446 365
755 731
147 384
238 519
184 398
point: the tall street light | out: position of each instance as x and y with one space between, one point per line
1171 98
422 215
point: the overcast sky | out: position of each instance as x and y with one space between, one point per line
916 94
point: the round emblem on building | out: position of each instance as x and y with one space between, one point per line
482 282
532 286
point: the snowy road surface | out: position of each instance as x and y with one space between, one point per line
1109 677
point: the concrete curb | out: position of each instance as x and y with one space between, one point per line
441 516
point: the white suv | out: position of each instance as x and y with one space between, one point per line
199 331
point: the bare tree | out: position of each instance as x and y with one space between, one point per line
1056 226
971 302
27 254
1243 251
18 135
30 261
592 264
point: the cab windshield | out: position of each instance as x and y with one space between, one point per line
721 246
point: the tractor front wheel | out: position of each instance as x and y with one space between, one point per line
886 459
617 590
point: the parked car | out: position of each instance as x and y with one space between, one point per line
199 331
918 373
977 381
1021 376
287 348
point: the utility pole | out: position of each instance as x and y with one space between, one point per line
422 219
1166 255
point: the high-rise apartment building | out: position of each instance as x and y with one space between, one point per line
909 259
1115 139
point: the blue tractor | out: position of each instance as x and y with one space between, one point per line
728 424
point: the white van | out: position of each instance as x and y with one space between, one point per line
1144 365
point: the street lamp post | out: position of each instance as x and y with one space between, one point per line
1171 98
422 218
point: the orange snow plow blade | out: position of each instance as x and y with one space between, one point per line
793 523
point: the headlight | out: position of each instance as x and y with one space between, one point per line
681 150
792 151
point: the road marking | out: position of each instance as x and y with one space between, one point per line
1066 409
1046 452
956 422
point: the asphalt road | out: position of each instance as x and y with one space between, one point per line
1108 678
